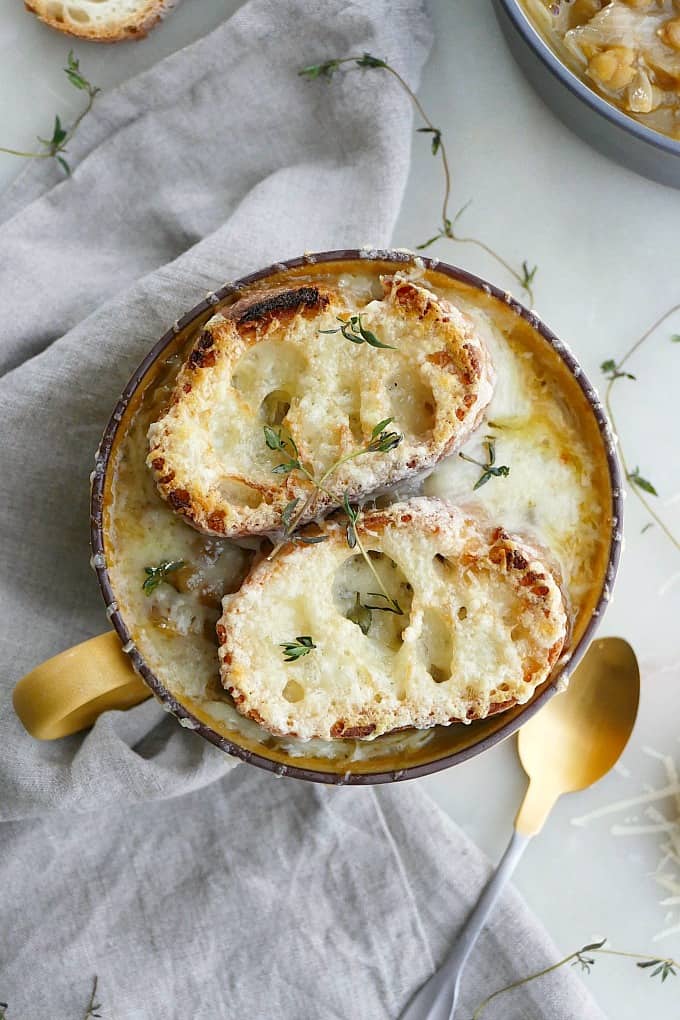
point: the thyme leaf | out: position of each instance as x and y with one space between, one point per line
294 650
274 439
324 70
636 478
361 615
327 68
288 512
286 467
612 371
436 137
74 74
664 968
675 339
392 607
527 276
353 330
489 469
369 61
158 575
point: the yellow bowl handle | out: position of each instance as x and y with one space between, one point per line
68 692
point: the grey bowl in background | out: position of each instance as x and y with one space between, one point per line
596 121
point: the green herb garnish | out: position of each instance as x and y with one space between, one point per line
159 575
381 441
489 469
664 968
353 330
612 370
361 615
294 650
636 478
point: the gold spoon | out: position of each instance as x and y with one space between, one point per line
567 746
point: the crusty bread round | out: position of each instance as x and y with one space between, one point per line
484 621
265 360
101 20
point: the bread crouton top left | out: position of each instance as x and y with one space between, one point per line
286 382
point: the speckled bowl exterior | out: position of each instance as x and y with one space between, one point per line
596 121
186 718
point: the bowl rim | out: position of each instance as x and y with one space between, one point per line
531 35
400 258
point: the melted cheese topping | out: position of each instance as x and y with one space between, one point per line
480 624
556 494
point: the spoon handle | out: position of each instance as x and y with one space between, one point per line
436 999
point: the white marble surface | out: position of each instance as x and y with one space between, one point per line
606 243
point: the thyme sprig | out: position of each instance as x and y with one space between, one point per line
447 228
158 575
381 441
354 330
55 147
294 650
489 469
585 959
354 542
612 369
93 1007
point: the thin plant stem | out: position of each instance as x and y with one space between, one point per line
561 963
92 1006
27 155
311 498
610 412
447 228
396 608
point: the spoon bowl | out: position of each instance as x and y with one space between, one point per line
580 735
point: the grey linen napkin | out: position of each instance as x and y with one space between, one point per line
136 851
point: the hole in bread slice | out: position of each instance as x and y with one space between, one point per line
483 621
279 359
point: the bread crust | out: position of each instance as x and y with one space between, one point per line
119 28
439 362
486 591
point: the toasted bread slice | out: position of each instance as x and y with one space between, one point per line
101 20
483 622
266 360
